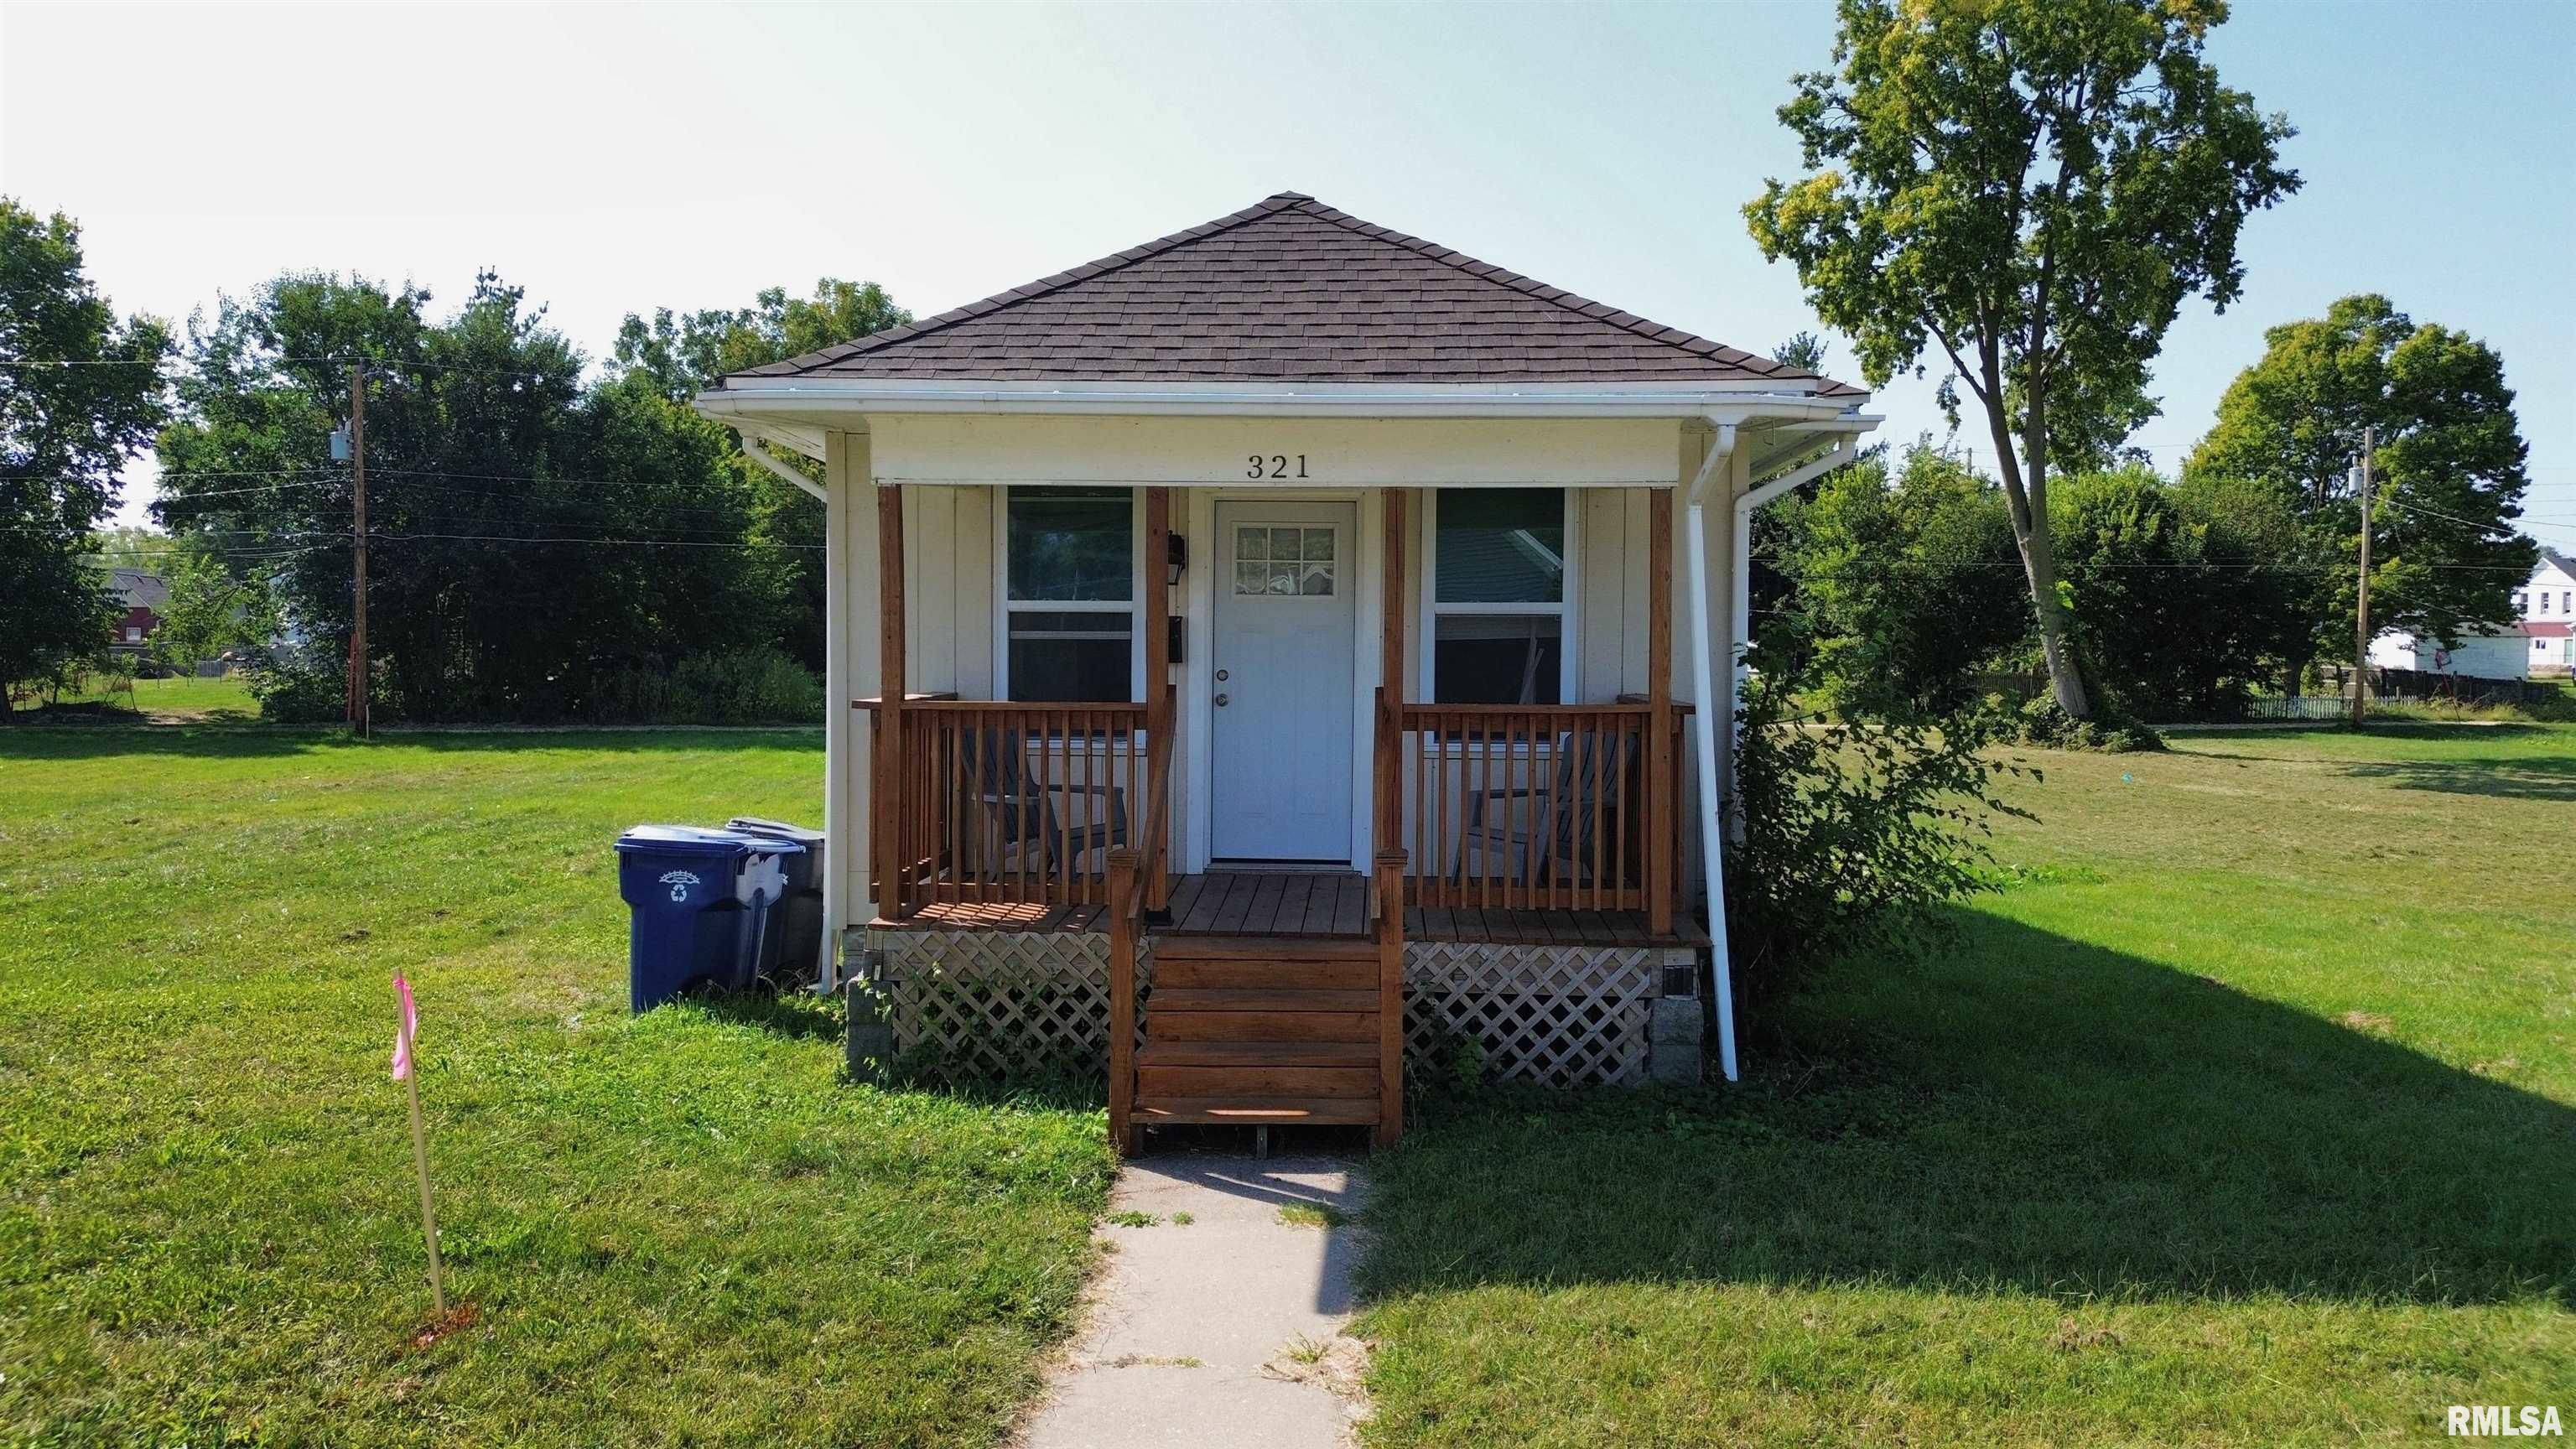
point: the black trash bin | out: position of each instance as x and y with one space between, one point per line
798 919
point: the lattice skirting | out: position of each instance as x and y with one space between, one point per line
1000 1005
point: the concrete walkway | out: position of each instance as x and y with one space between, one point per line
1224 1329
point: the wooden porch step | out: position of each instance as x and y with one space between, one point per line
1260 1026
1333 973
1250 1083
1264 948
1259 1111
1257 1054
1234 998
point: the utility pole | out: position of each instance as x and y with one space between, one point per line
358 680
2361 613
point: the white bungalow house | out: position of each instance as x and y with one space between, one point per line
1267 652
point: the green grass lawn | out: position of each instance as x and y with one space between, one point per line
681 1228
2247 1117
181 699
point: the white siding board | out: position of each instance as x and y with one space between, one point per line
1600 611
1636 592
972 571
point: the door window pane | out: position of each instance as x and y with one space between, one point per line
1070 656
1497 658
1284 561
1500 546
1071 545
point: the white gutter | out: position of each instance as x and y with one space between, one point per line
752 448
1844 451
1712 831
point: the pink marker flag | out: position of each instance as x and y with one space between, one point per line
405 1030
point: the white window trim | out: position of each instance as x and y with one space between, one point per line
1569 648
1004 605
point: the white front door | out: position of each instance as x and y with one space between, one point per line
1282 680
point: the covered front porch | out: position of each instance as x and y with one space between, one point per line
1524 898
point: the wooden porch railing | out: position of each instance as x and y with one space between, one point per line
1535 807
989 801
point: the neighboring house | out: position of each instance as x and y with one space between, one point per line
2553 647
144 595
2503 654
1295 623
2548 608
2541 642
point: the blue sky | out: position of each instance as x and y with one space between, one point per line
617 159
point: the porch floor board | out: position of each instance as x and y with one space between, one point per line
1307 903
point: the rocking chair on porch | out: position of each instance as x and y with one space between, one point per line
1562 817
1021 809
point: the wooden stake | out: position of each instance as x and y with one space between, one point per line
428 1215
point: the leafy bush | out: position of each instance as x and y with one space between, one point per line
1852 832
300 687
722 687
2040 722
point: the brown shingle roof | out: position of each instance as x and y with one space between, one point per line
1291 290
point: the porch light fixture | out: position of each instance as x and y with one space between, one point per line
1176 557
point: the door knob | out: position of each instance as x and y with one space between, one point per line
1220 701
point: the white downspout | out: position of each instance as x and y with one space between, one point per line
837 724
1712 831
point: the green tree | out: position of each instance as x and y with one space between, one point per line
529 539
1906 583
683 353
678 355
2177 605
80 392
209 610
2033 187
2448 473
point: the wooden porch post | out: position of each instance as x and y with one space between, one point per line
885 829
1124 1137
1158 697
1389 791
1663 797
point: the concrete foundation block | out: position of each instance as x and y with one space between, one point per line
1674 1041
871 1041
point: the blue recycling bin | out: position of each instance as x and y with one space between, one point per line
699 906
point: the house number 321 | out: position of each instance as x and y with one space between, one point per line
1274 466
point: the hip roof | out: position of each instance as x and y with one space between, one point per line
1291 290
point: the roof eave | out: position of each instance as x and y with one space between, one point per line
821 401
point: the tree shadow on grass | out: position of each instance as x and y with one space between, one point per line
794 1015
2023 1112
2521 777
251 742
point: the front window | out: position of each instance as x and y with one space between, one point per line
1070 560
1498 558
